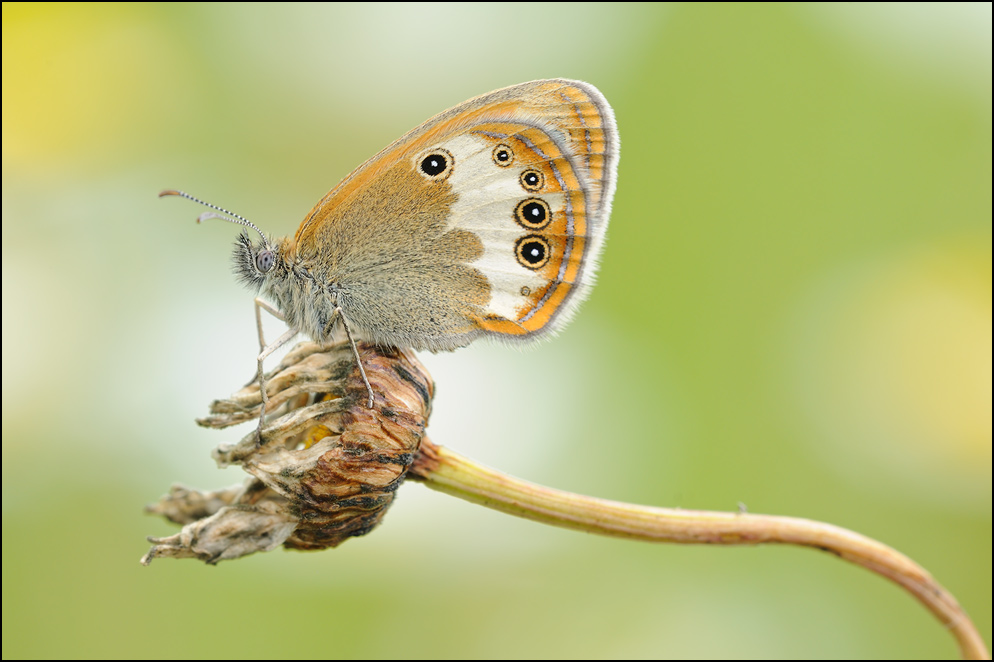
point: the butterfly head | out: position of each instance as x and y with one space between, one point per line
255 262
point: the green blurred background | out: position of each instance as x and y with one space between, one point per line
793 313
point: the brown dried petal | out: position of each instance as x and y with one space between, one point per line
328 468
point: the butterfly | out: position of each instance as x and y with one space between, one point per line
487 220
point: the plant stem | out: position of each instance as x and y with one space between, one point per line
443 470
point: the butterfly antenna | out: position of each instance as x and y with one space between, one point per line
225 215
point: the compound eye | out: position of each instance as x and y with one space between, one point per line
265 260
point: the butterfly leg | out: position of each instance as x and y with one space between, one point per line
265 351
355 352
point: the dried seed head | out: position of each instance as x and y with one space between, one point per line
328 466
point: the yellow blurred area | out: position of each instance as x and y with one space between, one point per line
931 319
81 81
793 312
897 365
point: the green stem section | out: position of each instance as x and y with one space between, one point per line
446 471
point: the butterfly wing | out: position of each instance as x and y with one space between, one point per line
485 220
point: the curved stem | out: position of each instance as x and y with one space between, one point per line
446 471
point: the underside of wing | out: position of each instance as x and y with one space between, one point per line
530 173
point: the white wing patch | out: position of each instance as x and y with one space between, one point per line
488 195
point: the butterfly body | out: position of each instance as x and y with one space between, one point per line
486 220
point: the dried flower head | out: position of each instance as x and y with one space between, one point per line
328 466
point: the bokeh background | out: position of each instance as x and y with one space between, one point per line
793 313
